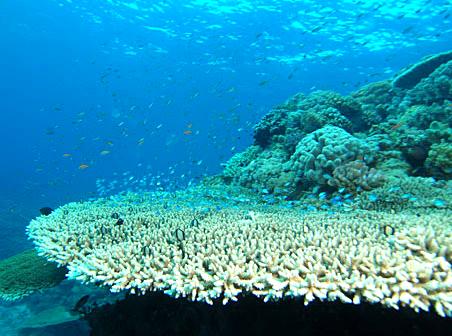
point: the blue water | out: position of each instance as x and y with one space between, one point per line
171 89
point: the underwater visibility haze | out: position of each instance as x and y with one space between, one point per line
210 167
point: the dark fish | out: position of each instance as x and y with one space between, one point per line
80 303
46 211
316 29
388 230
180 235
120 221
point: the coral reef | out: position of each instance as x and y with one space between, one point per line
356 176
26 273
318 154
398 126
415 73
171 243
234 167
401 192
439 160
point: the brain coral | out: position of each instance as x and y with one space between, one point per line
393 259
319 153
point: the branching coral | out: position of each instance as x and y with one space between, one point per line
406 192
269 252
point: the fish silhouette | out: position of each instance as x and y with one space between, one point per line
46 211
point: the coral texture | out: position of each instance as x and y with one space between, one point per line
393 259
439 160
356 176
411 76
402 125
321 152
26 273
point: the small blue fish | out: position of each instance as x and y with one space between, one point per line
373 197
323 195
311 208
439 203
336 200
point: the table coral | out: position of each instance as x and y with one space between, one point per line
267 252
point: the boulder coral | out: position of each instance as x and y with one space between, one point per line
356 176
321 152
439 160
412 75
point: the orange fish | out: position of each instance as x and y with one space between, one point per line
188 132
83 166
396 126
